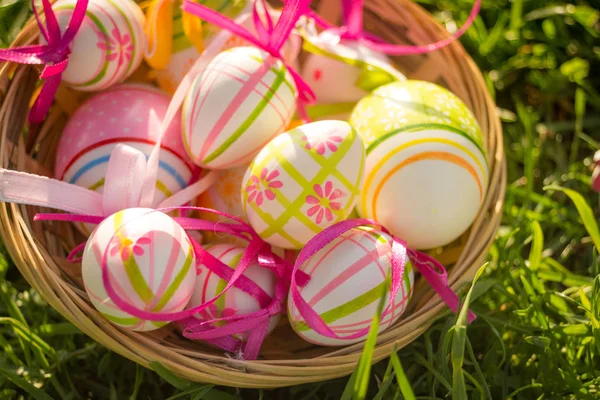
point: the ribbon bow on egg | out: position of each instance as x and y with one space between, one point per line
353 30
129 182
54 55
270 37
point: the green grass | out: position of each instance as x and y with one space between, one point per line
538 299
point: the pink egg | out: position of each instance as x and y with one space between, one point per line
122 115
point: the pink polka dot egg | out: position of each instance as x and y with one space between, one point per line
109 45
235 301
348 277
122 115
150 262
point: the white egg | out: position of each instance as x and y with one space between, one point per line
347 281
244 98
303 181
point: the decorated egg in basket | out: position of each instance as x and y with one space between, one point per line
151 266
244 98
303 181
235 301
334 77
123 114
347 279
109 45
426 172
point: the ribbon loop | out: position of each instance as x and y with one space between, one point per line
270 38
353 30
54 55
430 269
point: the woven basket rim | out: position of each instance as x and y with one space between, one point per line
42 271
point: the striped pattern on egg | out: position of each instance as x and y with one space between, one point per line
241 100
121 115
303 181
426 172
150 261
347 281
235 301
108 47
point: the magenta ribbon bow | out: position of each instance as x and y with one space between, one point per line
271 37
433 272
256 324
54 55
353 30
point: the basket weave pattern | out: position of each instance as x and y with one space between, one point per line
39 249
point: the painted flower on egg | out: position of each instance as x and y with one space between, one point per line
266 182
126 246
324 203
319 144
118 46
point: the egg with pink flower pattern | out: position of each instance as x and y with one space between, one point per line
109 45
150 262
303 181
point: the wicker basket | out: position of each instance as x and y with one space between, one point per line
39 249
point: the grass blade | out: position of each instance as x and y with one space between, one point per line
34 392
585 212
401 378
363 370
459 390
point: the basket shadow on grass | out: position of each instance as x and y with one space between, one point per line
538 331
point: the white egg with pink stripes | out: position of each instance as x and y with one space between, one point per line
347 279
235 301
150 262
241 100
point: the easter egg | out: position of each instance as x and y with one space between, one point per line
122 115
225 194
151 265
240 101
335 81
235 301
303 181
426 172
172 49
347 281
108 47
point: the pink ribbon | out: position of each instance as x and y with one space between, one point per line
271 37
54 55
430 269
256 324
596 172
353 30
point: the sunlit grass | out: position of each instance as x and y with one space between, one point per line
538 299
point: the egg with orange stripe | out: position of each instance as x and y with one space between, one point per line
347 279
426 173
303 181
244 98
109 45
176 39
235 301
122 114
150 262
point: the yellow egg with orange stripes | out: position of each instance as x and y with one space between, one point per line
426 171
